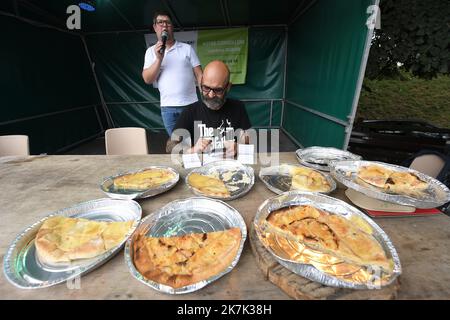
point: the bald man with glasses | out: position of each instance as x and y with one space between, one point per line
216 123
173 71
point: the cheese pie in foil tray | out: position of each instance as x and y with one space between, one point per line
391 183
326 240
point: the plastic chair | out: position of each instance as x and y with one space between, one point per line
14 145
430 164
122 141
437 166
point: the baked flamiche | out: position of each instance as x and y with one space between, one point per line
308 180
331 234
62 239
391 181
374 175
405 183
144 180
208 185
185 260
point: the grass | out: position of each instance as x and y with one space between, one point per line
411 99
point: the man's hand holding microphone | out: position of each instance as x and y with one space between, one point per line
160 46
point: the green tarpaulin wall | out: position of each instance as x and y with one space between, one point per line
119 59
325 53
306 61
47 87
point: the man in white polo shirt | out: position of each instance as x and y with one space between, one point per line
173 72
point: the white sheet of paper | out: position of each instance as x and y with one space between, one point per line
246 153
208 158
191 161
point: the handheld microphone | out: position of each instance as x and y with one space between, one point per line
164 36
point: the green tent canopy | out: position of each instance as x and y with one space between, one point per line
306 63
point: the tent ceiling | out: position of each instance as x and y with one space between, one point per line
126 15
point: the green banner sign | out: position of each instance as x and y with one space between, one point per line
228 45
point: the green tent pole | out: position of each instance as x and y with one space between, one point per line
109 118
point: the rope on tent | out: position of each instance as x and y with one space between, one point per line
122 15
109 118
37 24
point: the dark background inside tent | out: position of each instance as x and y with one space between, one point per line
62 88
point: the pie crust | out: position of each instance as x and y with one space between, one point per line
60 240
184 260
208 185
392 181
145 179
330 234
374 175
308 180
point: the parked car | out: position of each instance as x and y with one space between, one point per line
394 141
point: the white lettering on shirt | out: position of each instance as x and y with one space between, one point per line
218 136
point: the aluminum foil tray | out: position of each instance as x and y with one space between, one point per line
180 217
238 178
434 196
278 178
326 270
107 186
22 267
320 157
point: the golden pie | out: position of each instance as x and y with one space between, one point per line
405 183
208 185
392 181
330 234
62 239
309 180
185 260
374 175
145 179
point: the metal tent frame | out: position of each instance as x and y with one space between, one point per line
302 7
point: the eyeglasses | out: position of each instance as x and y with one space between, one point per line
162 22
217 91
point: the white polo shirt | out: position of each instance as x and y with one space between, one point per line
176 80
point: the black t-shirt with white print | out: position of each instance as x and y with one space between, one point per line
219 125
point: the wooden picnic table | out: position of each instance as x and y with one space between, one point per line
33 187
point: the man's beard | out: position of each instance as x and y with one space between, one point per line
214 103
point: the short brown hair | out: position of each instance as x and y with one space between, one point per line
161 13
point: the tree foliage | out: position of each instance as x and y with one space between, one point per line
414 33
